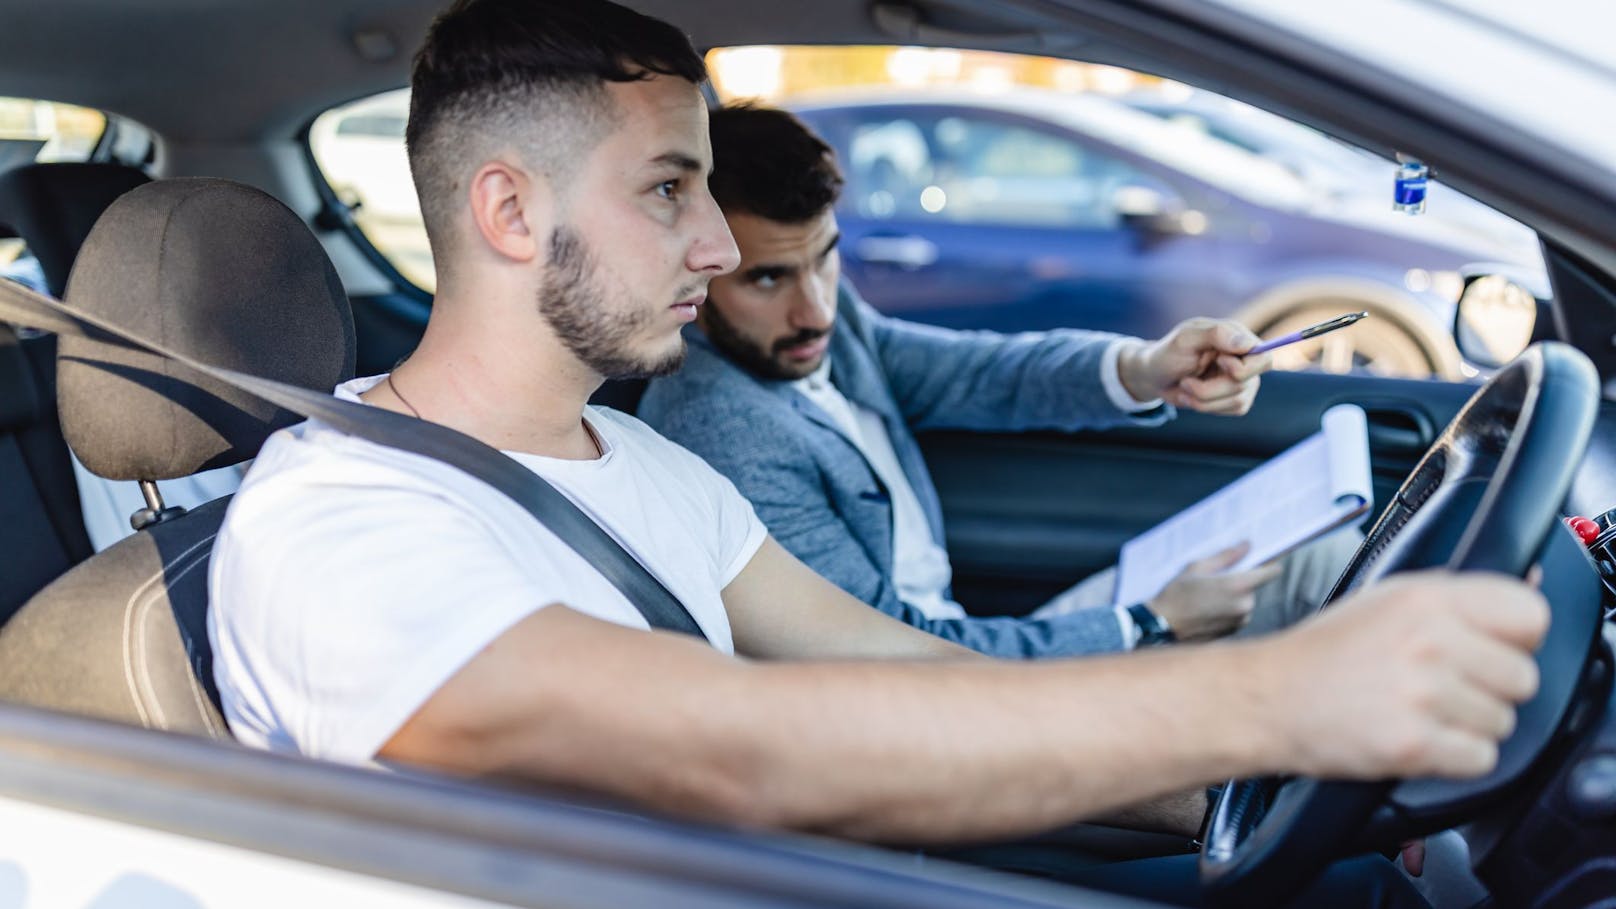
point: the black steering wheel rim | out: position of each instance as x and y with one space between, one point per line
1501 469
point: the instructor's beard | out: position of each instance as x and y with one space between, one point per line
574 304
765 363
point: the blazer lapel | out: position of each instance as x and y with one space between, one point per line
855 372
810 411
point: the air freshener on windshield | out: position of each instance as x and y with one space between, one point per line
1408 195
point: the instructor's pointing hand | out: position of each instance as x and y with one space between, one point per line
1198 365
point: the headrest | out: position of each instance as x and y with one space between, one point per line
219 272
19 396
53 206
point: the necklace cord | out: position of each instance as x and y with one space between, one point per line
400 396
600 449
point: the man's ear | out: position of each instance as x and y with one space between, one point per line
511 209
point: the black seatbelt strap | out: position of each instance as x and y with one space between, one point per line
543 501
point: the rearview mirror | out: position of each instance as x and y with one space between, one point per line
1498 317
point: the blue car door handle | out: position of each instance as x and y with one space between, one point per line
909 252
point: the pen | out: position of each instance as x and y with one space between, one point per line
1312 331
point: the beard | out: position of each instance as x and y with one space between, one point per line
601 337
765 363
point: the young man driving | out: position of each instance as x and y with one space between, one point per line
373 605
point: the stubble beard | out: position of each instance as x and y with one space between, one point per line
572 301
752 357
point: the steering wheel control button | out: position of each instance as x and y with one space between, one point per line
1586 529
1591 787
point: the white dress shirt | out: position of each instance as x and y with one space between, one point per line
920 567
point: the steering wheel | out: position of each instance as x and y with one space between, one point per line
1485 497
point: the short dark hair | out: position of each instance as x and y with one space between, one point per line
490 64
768 163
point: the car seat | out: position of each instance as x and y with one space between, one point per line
41 528
52 208
55 206
227 275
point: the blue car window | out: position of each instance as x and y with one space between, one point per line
966 170
889 168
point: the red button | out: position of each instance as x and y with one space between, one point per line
1586 529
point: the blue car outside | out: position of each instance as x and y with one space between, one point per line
1332 166
1031 210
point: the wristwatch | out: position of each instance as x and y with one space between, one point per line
1153 629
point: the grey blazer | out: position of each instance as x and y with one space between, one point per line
822 500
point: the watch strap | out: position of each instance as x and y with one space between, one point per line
1153 629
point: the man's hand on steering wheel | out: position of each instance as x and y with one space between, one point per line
1405 693
1428 689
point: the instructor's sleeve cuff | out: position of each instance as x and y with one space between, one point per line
1111 379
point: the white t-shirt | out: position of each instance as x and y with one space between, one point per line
351 580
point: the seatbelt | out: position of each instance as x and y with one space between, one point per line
543 501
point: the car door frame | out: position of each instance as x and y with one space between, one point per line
501 844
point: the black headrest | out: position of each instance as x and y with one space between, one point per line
217 271
53 206
19 396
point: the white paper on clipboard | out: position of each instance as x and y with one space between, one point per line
1316 485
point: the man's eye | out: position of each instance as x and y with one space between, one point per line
668 189
767 282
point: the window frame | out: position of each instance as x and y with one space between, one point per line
335 215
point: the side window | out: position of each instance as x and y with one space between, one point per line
384 126
1149 202
40 131
888 168
1003 173
359 149
965 170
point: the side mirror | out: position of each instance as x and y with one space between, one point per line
1152 212
1500 313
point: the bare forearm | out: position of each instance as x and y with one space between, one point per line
951 751
992 750
915 752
